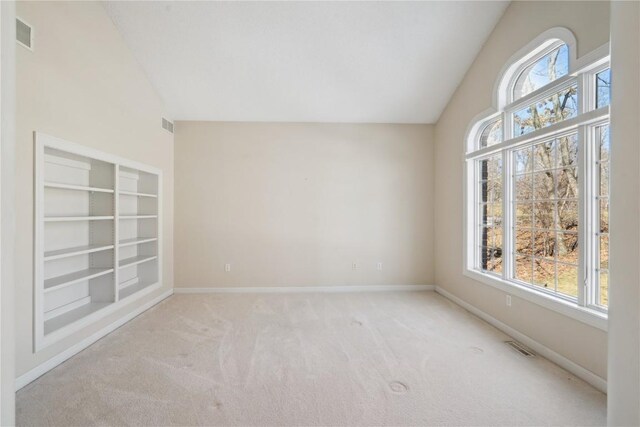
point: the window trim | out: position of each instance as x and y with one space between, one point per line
587 120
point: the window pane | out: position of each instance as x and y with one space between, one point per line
567 155
602 133
544 244
495 263
567 247
524 187
490 213
604 215
544 273
542 72
524 241
604 145
605 148
543 113
544 185
604 252
484 213
495 238
493 191
523 160
568 280
485 256
568 215
524 215
491 134
603 88
553 201
543 215
491 259
566 181
604 288
544 156
524 269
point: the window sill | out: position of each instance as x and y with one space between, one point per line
585 315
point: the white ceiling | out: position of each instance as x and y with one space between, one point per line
358 62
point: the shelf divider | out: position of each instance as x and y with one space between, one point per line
138 216
77 276
133 193
77 187
136 241
78 250
77 218
128 262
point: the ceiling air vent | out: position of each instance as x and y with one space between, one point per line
167 125
24 34
520 348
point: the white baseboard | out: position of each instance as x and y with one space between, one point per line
547 353
301 289
45 367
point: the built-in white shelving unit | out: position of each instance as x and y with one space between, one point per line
97 235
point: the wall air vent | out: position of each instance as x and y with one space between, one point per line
167 125
520 348
24 34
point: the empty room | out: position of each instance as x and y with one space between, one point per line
320 213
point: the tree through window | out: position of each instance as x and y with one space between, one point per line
535 194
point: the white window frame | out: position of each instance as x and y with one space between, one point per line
582 74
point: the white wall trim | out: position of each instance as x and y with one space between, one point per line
56 360
577 370
299 289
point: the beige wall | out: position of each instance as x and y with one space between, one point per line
624 310
521 23
297 204
81 84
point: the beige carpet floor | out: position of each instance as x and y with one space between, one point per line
405 358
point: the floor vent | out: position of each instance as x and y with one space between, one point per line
167 125
24 34
520 348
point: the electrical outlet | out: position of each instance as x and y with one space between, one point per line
227 267
379 266
508 300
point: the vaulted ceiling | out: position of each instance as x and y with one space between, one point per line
358 62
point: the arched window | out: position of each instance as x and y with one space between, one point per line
491 134
539 73
537 177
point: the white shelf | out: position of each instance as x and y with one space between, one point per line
77 187
130 290
136 241
78 207
78 250
128 262
133 193
69 317
76 218
78 276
